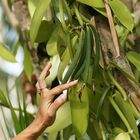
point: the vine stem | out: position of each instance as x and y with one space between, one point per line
112 29
12 19
118 86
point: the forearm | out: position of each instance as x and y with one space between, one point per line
33 131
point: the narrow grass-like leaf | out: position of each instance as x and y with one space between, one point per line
3 98
3 132
7 124
14 116
6 54
123 15
21 116
37 18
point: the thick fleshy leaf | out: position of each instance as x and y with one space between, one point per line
63 119
93 3
63 64
134 58
27 63
123 136
122 13
45 31
6 54
98 5
32 6
53 42
126 109
37 18
55 61
79 102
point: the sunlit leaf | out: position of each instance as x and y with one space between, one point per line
53 42
122 13
37 18
79 103
27 63
134 58
63 119
123 136
45 31
93 3
6 54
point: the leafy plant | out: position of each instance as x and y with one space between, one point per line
76 37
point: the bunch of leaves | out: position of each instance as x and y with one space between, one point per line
98 107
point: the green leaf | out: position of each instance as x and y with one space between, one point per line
101 102
3 98
122 13
53 42
63 64
101 11
6 54
123 136
8 127
63 119
27 63
134 58
126 109
93 3
37 18
45 31
79 103
55 61
16 123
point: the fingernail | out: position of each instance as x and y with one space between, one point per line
75 81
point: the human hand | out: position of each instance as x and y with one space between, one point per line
48 104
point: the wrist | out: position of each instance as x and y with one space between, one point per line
33 131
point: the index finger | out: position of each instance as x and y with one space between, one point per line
57 90
45 72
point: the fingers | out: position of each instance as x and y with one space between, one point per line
45 72
57 103
57 90
41 84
